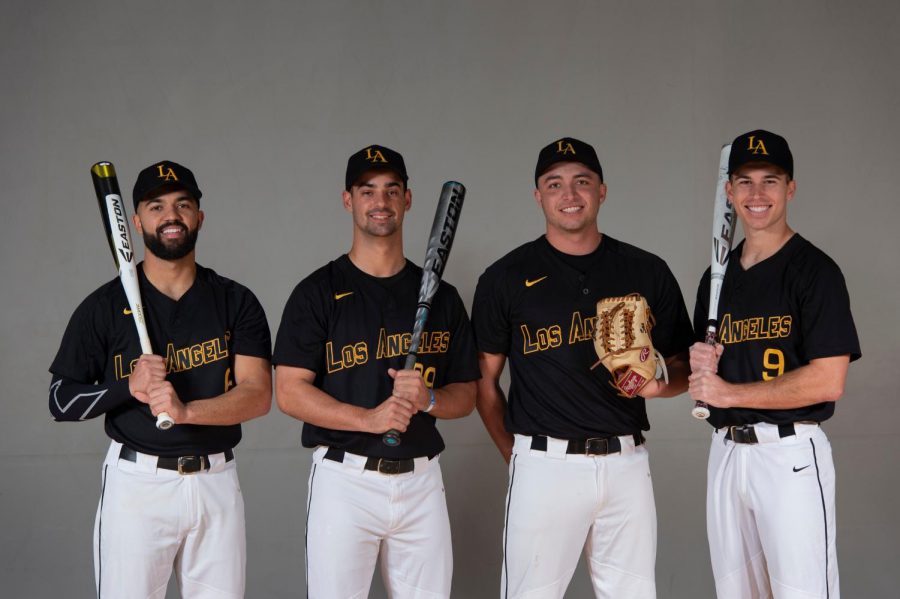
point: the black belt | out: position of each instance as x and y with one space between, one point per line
746 434
188 464
382 465
592 446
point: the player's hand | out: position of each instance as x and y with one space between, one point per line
705 357
393 413
163 398
408 384
149 369
709 388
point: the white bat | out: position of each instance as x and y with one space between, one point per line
118 233
722 236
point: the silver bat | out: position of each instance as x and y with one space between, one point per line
443 230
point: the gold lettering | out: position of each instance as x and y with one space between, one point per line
183 359
349 356
393 345
168 175
377 156
564 149
361 353
170 358
757 147
581 328
785 329
753 328
330 364
541 339
196 355
119 370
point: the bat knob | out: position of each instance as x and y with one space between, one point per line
391 438
164 422
700 411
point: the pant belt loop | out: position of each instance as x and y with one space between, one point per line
146 463
556 448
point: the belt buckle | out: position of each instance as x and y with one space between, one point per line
387 466
589 442
742 434
191 464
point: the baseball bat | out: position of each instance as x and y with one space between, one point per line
118 233
722 236
443 230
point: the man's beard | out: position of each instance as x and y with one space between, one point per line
175 251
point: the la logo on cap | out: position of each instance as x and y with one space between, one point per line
168 174
377 156
757 146
564 147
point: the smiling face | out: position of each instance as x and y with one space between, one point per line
378 202
570 194
169 224
760 194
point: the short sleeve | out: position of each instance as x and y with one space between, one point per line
251 336
83 348
825 318
303 330
672 333
463 358
491 315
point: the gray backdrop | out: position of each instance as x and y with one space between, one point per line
265 101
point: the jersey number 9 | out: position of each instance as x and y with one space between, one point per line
773 359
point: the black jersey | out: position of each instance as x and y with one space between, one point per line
199 335
537 306
776 316
350 327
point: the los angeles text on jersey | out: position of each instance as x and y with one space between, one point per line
754 328
390 345
535 339
183 358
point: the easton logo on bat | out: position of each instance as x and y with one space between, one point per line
722 243
450 221
115 203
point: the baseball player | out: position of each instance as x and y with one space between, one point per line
339 352
579 475
169 499
786 337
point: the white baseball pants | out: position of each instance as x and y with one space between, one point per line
151 521
770 515
559 505
356 515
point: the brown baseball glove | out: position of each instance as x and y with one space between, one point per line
623 343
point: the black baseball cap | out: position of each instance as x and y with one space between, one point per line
164 174
372 158
567 149
761 146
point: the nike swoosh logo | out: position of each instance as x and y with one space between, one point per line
535 281
126 311
338 296
799 469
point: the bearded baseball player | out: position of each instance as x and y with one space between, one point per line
169 499
579 476
786 338
339 354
